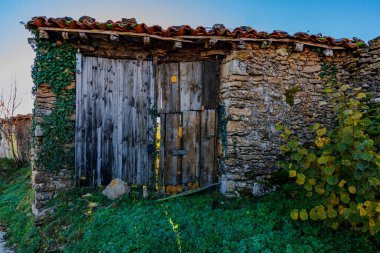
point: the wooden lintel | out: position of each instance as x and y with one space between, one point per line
220 38
55 29
214 52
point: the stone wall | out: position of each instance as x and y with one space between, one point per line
47 184
20 125
262 86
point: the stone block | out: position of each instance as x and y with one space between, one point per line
116 189
234 67
38 131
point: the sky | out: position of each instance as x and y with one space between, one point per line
336 18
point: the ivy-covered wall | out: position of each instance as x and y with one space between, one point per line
53 125
261 86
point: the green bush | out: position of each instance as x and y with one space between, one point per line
342 165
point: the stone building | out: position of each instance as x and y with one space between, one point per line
19 127
215 95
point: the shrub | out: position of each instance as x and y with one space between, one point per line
342 165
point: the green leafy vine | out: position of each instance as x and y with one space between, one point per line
54 67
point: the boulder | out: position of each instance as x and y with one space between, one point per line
116 189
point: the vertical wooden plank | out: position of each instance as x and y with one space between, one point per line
172 144
162 157
191 140
99 100
191 82
207 144
86 127
170 87
151 124
210 84
139 124
185 69
78 123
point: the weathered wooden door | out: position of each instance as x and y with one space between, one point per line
187 105
113 127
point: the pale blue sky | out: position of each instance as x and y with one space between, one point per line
337 18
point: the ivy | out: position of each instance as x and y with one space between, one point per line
223 120
55 66
342 166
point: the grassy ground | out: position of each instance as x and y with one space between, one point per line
87 222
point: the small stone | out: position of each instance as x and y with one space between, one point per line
38 131
328 52
282 51
116 189
298 47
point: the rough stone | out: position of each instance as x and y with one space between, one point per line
116 189
234 67
261 189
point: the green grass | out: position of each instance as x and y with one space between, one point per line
16 195
87 222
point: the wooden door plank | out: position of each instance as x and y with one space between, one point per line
207 144
162 157
78 121
169 87
191 82
172 143
210 84
151 123
191 140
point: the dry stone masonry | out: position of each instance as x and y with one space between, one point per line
261 83
46 184
262 86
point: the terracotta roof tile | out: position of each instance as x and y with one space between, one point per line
130 25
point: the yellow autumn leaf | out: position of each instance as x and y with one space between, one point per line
342 183
294 214
303 214
319 189
371 223
361 95
331 213
300 179
378 208
352 189
362 211
319 142
345 87
312 181
292 173
367 203
313 214
321 213
321 131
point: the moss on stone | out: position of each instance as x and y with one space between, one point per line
290 94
